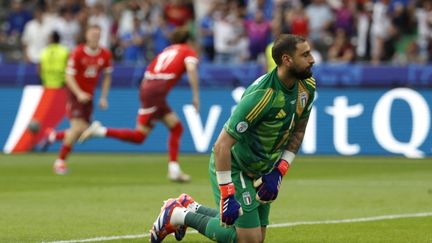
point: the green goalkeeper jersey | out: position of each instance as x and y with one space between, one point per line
264 120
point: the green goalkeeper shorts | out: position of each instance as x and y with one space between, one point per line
254 213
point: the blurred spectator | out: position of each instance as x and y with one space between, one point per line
411 55
35 36
206 30
126 23
231 44
266 6
380 29
161 35
17 19
179 12
423 16
344 17
341 51
364 27
259 32
68 28
133 44
320 20
99 17
297 21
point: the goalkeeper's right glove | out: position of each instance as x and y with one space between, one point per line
230 209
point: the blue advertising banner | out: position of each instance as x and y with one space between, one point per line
343 121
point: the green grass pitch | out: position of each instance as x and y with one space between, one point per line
120 195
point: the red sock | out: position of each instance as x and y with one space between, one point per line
174 141
64 151
127 135
60 135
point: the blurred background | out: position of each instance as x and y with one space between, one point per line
372 64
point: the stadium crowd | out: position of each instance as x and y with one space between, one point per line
233 31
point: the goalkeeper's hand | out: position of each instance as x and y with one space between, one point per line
268 185
230 209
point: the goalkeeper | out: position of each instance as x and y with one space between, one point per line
252 153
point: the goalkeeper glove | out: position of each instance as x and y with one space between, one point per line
230 209
268 185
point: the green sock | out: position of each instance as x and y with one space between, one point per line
207 211
210 227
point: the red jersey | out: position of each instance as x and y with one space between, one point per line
169 65
86 65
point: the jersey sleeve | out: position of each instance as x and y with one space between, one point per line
311 87
191 56
72 63
250 110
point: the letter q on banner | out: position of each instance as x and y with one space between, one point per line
381 123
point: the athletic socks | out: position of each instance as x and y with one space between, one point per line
128 135
64 151
174 141
210 227
207 211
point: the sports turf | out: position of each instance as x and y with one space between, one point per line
121 194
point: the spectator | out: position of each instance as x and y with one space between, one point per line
35 36
230 41
17 19
320 21
258 31
133 44
364 27
344 17
297 21
100 18
423 16
161 35
68 28
380 29
341 51
179 12
206 28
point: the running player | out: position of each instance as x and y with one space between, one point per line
86 63
159 78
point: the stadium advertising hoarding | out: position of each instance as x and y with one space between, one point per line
345 121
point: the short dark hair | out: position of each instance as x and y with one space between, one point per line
180 35
285 44
55 37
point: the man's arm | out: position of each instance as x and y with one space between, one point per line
192 72
106 84
268 185
82 96
222 150
229 208
296 139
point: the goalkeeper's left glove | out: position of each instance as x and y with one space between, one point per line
268 185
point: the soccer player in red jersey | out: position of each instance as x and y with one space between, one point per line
159 78
85 64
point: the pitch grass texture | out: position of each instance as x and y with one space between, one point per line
121 194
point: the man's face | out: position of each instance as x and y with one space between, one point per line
302 62
93 36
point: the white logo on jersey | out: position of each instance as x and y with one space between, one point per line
303 99
242 127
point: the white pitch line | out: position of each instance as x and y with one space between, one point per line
292 224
